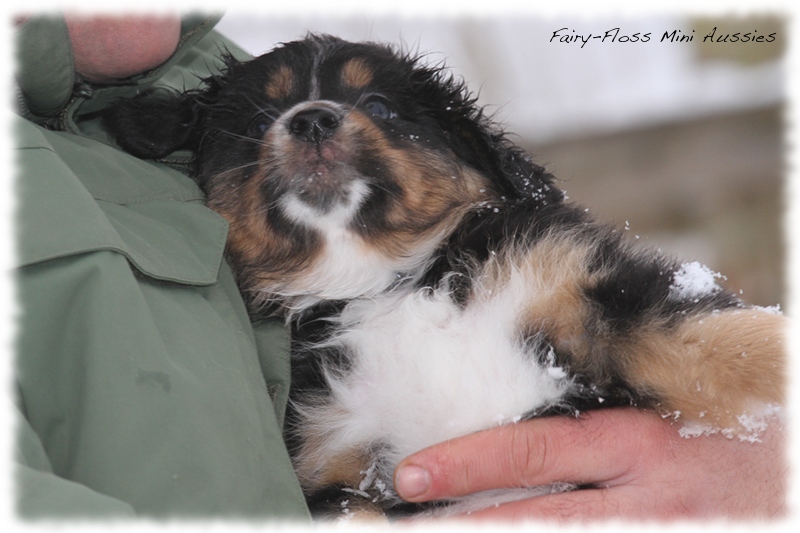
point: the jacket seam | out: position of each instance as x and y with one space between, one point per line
79 251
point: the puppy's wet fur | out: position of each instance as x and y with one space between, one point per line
436 279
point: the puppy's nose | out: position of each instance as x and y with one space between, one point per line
315 124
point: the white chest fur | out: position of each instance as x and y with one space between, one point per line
424 370
336 274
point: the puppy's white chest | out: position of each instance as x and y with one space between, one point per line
424 370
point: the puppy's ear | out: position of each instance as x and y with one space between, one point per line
155 124
510 167
480 142
524 176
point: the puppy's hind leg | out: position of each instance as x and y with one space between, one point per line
340 488
716 368
616 321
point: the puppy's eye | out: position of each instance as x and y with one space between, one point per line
259 125
377 106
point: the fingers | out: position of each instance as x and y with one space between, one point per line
579 505
587 505
593 449
638 464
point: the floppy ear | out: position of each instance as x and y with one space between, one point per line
155 124
510 167
480 142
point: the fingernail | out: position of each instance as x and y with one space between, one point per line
412 481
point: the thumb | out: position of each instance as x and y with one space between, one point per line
591 449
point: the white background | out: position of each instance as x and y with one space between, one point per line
545 90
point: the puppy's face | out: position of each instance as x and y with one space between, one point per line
341 166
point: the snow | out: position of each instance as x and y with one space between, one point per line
694 280
751 426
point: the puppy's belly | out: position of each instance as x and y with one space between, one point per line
423 370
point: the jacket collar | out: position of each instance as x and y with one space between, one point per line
51 91
44 75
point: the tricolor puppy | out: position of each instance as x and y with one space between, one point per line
437 281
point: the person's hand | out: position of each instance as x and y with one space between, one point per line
637 462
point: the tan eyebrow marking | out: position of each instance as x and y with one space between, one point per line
356 73
280 83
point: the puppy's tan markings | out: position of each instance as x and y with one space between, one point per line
711 368
252 240
344 468
356 74
715 366
434 192
553 275
317 470
280 83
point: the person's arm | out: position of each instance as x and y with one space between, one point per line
639 463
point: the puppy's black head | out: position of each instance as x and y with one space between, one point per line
339 166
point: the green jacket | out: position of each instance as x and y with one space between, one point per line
143 388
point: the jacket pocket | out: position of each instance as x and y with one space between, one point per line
170 236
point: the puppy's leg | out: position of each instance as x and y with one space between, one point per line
615 320
339 487
714 367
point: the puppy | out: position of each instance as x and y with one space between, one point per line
436 279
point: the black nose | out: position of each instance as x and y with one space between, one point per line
315 124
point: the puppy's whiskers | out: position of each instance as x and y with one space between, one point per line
361 97
268 111
242 137
257 162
